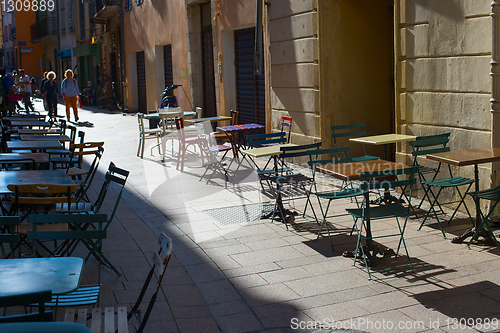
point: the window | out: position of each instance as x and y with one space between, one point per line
138 2
128 5
63 17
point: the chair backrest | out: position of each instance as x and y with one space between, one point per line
256 140
25 300
387 179
8 225
431 144
46 195
179 124
78 229
89 177
234 117
286 122
166 120
79 150
72 133
160 263
348 131
318 156
113 175
298 151
140 120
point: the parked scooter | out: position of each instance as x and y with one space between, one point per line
168 99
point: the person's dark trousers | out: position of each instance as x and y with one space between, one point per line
27 102
52 107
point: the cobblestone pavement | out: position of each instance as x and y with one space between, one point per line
231 274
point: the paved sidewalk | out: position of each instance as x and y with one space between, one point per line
231 273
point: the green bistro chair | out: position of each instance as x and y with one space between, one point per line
340 132
428 177
493 195
263 140
8 232
291 180
367 213
25 300
421 146
321 159
351 131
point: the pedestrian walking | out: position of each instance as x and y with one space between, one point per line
69 89
45 79
6 87
25 89
50 93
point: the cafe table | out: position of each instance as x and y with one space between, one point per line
210 119
36 158
28 117
272 152
34 145
30 124
22 131
29 275
352 171
384 139
237 134
33 177
473 156
45 137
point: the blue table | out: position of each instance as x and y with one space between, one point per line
59 274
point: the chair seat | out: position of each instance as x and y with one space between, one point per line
272 171
154 131
340 194
76 171
84 295
449 182
365 158
379 212
492 194
293 178
108 319
76 207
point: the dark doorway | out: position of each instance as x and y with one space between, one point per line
250 88
141 82
207 58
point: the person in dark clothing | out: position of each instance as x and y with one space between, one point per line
41 88
6 86
50 93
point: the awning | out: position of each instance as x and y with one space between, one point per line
63 53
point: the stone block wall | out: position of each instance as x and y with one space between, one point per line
443 84
293 38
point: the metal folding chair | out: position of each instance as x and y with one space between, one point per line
382 180
318 157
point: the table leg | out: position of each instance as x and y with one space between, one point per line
470 232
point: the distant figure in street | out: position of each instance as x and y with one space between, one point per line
26 91
50 93
45 79
69 89
7 84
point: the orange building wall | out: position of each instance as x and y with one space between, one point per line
28 61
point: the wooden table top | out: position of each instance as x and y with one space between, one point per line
26 123
40 131
33 177
37 157
210 119
59 274
266 151
384 139
34 145
467 156
352 170
45 137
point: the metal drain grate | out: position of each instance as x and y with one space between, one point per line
241 214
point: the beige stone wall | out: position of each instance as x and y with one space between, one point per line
442 73
294 85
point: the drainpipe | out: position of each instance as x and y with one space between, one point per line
122 60
495 87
